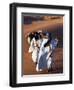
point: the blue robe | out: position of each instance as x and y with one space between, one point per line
42 60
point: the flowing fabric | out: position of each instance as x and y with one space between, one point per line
42 57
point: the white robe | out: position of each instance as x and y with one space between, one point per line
35 54
31 48
34 49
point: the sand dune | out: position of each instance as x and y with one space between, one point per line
42 25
